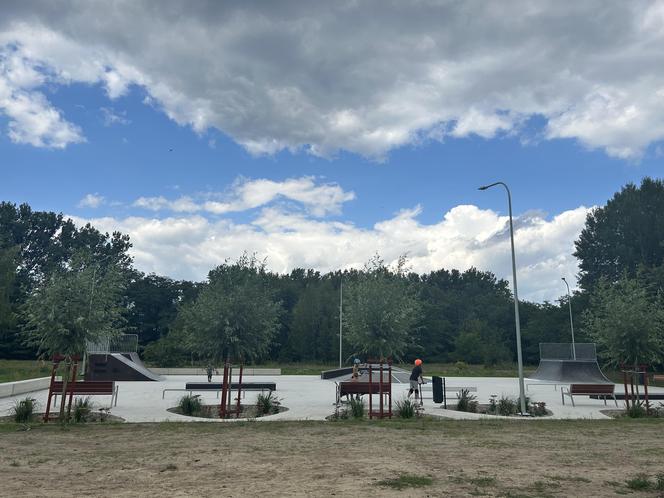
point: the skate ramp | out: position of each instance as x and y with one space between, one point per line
570 372
118 367
564 363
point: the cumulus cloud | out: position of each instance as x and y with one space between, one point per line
189 246
32 119
91 201
359 76
317 199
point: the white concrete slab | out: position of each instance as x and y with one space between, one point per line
307 397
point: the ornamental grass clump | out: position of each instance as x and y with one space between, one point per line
266 404
23 410
405 408
467 402
357 408
82 409
190 404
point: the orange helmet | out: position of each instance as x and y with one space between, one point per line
418 362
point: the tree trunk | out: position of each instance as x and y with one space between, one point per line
65 382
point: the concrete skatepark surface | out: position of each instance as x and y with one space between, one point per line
307 397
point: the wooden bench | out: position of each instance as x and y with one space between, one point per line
350 387
658 378
216 386
88 388
600 390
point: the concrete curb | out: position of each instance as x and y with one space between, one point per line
23 386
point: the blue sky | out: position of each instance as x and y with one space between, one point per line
313 144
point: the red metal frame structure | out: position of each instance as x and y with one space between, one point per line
69 375
225 406
384 388
239 392
628 378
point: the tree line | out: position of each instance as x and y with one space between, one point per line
61 284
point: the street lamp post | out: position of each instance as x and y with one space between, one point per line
341 311
522 394
571 322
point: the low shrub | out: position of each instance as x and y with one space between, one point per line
467 402
357 408
190 404
637 410
639 482
506 406
82 409
266 404
23 410
493 405
537 409
405 408
461 365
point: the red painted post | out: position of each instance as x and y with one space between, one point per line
625 384
645 386
380 390
370 392
50 389
72 381
390 388
239 391
222 407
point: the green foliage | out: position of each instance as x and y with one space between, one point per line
82 409
507 406
639 482
637 410
467 402
235 315
315 321
23 410
405 408
357 408
381 311
190 404
266 404
623 235
537 408
76 303
406 481
478 342
626 323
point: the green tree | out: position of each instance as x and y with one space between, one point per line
623 235
78 302
234 316
626 322
315 325
382 311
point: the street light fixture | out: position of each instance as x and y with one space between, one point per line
522 393
571 322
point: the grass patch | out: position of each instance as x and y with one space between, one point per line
13 370
406 481
639 482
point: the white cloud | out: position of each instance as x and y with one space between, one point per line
189 246
319 77
32 119
111 117
92 201
317 199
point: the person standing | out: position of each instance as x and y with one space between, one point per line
209 370
416 381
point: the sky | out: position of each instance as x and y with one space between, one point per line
317 134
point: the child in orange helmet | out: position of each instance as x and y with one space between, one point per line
416 380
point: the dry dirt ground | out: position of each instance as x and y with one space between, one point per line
447 458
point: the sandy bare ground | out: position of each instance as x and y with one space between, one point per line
462 458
